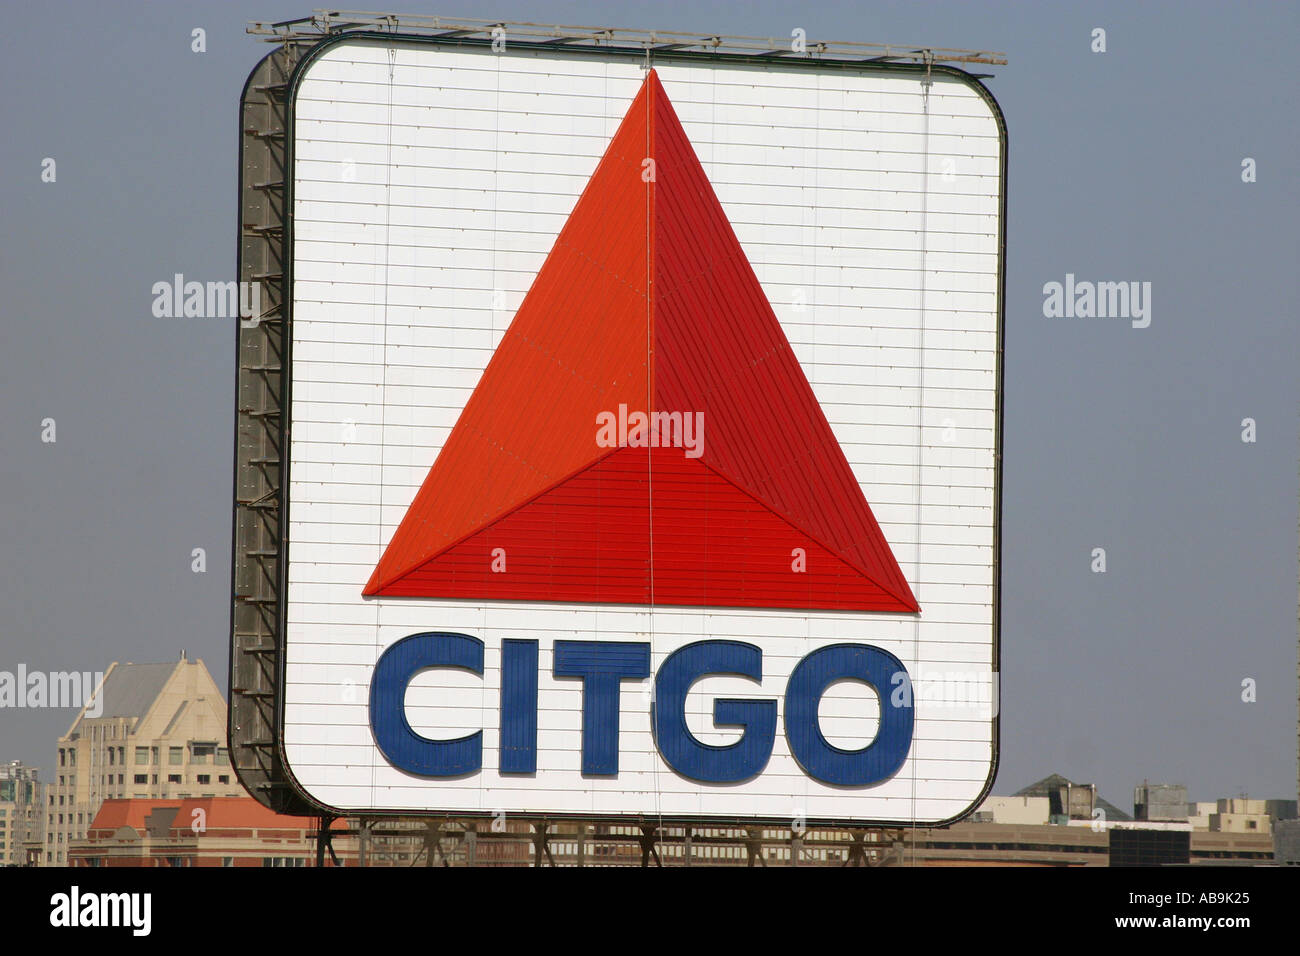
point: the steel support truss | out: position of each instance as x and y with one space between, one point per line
256 647
394 841
323 23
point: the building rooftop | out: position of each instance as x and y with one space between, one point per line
218 813
1052 781
130 689
17 770
117 813
133 692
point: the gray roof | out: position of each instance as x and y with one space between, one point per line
1112 812
1041 787
1052 781
131 689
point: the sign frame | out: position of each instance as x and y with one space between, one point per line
270 777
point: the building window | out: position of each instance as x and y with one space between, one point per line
173 778
155 778
120 778
62 759
175 756
202 753
224 778
204 778
111 756
141 778
153 752
141 756
223 755
227 861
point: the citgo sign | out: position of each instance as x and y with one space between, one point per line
644 435
602 666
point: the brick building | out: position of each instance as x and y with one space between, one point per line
200 831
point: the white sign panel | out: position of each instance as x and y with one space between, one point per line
644 436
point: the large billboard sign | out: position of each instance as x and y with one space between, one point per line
642 454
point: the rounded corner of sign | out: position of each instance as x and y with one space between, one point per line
977 801
314 55
990 100
302 791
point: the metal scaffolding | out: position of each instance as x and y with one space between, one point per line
323 23
449 842
256 650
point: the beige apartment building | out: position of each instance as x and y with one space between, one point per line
159 733
22 812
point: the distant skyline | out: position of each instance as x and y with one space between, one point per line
1165 434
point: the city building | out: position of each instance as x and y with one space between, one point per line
1163 802
1286 843
201 831
235 832
22 813
1280 810
1068 800
161 735
1199 812
1013 810
1241 815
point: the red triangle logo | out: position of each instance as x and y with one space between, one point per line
644 434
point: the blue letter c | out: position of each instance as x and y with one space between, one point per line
404 748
